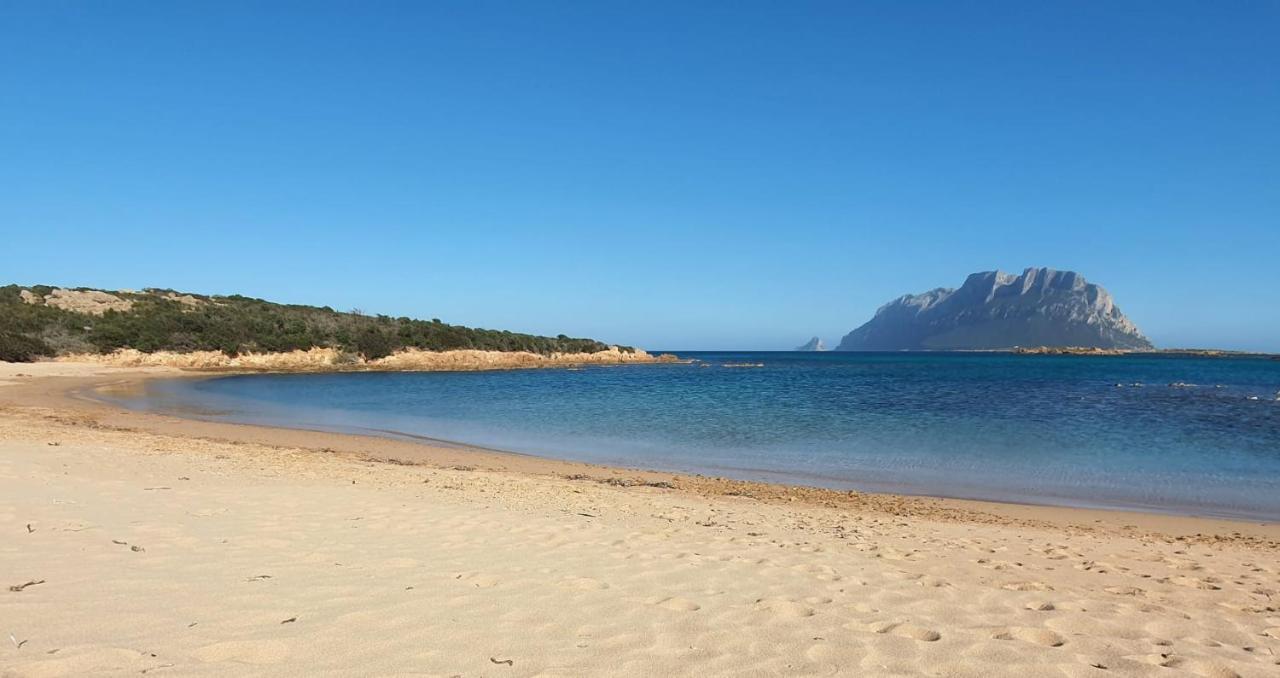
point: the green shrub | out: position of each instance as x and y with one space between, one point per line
373 344
237 324
19 348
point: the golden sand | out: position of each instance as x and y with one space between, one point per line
140 543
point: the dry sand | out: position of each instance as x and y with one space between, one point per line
142 544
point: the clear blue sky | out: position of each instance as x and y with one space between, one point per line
672 175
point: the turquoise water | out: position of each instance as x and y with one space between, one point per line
1176 434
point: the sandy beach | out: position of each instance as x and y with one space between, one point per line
138 543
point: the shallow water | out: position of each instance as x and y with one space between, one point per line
1175 434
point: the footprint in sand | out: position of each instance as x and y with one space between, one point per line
1052 551
678 604
1043 637
1027 586
890 553
822 572
583 583
1205 584
1165 660
1205 668
478 580
244 651
783 608
1182 564
83 661
904 630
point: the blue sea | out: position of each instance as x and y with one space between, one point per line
1164 433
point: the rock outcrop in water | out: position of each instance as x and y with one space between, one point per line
814 344
995 310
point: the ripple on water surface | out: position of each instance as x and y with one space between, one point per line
1181 434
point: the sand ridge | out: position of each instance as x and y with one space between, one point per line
179 555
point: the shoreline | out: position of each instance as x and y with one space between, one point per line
75 396
762 476
140 543
325 360
756 476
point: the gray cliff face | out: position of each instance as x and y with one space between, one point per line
814 344
994 310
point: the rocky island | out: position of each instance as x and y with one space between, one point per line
993 310
814 344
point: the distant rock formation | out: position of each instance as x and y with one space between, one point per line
995 310
814 344
92 302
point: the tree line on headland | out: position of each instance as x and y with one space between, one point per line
40 320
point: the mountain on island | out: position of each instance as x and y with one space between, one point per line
995 310
814 344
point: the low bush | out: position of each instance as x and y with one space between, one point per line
19 348
162 320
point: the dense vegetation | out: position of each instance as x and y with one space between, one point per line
158 320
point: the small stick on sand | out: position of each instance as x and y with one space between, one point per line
508 662
18 588
290 620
